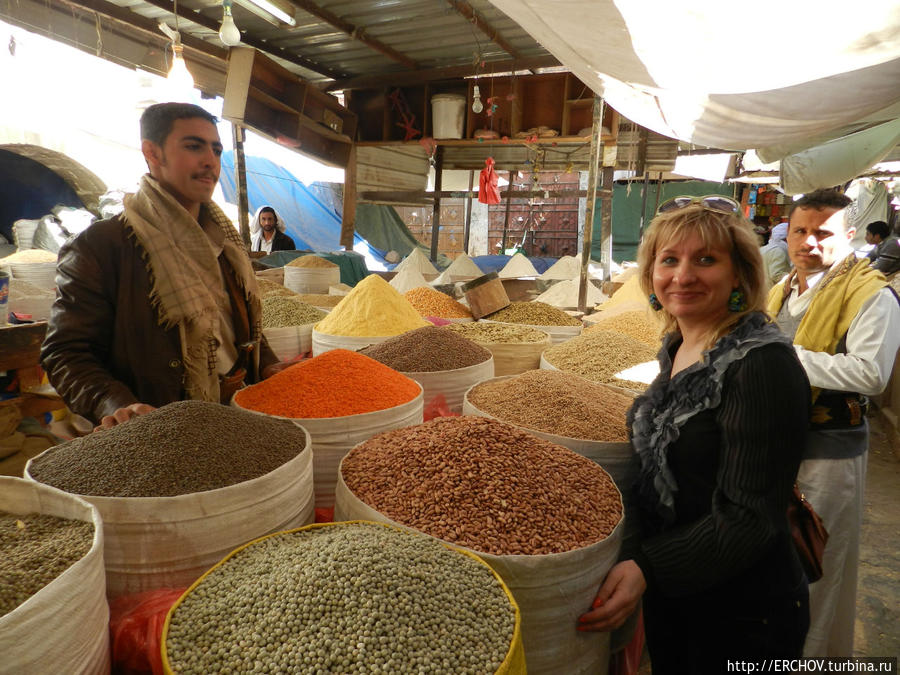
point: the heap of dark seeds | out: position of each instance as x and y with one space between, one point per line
427 350
184 447
34 550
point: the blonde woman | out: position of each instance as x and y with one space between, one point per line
719 436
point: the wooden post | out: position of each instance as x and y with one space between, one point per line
643 205
509 190
588 232
658 193
606 222
348 210
240 182
436 209
468 213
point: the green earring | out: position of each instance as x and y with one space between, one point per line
654 302
736 301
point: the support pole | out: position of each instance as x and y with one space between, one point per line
596 147
509 190
240 181
643 205
658 193
348 210
436 209
468 224
606 223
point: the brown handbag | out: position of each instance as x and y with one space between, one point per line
808 532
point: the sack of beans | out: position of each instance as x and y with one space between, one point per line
287 324
181 486
587 417
341 398
346 598
311 274
599 356
53 612
540 316
546 519
515 348
444 363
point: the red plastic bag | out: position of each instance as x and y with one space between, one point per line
488 192
437 407
135 630
438 321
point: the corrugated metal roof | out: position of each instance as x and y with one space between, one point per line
332 39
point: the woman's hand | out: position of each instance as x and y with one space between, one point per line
617 598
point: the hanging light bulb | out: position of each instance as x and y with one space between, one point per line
228 31
477 106
179 75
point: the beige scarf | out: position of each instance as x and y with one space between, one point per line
183 266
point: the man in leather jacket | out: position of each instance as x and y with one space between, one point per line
159 303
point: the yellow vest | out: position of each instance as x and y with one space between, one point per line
837 300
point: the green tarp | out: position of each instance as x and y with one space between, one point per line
626 212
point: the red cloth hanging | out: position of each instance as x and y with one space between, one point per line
488 192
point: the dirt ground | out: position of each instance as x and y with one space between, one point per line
878 595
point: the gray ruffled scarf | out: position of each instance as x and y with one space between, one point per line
657 416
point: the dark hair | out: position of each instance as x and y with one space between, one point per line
269 209
158 119
823 198
880 228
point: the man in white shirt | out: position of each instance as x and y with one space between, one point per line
267 232
845 324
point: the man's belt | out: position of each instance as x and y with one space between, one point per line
839 410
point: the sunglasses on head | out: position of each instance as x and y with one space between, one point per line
711 202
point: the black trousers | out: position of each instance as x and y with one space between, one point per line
699 635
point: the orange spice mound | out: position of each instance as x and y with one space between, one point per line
429 302
334 384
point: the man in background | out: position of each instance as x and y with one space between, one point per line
267 232
845 324
885 256
775 257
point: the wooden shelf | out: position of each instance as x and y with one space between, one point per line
263 96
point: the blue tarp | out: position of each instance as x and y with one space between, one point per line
495 263
312 224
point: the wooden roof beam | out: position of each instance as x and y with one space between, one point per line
261 45
147 26
469 13
356 32
406 78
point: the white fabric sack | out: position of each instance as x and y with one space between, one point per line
453 384
64 627
169 542
42 275
23 233
512 358
552 591
619 461
312 280
333 437
323 342
557 334
290 341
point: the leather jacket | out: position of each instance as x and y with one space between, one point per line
104 348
